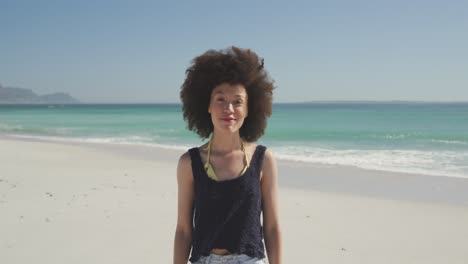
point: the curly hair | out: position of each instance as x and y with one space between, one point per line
233 66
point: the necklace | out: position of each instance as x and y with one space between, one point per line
209 169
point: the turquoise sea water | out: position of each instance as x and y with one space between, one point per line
405 137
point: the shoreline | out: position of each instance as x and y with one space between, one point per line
340 179
181 148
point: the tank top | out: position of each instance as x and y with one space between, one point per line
226 214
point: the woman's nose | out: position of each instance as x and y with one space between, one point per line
228 106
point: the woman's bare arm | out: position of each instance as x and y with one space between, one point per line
183 233
271 226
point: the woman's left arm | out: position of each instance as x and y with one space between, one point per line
271 226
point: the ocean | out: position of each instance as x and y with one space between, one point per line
422 138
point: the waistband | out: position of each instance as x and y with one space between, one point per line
215 258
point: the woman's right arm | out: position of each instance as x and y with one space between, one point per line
183 233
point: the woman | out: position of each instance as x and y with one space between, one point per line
225 185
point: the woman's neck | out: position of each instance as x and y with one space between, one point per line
225 143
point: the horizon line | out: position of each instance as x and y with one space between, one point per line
296 102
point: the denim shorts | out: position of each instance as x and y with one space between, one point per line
229 259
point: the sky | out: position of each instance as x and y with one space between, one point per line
138 51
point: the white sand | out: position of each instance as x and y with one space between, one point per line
96 203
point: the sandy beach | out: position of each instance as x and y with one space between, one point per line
99 203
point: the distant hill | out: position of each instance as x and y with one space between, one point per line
10 95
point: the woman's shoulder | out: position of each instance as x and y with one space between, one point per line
269 166
184 167
184 159
268 157
187 155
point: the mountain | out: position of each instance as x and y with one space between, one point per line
59 98
10 95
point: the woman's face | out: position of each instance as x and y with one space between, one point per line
228 107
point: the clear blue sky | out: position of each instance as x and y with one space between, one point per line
137 51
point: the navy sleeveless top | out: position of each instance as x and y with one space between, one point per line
226 214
